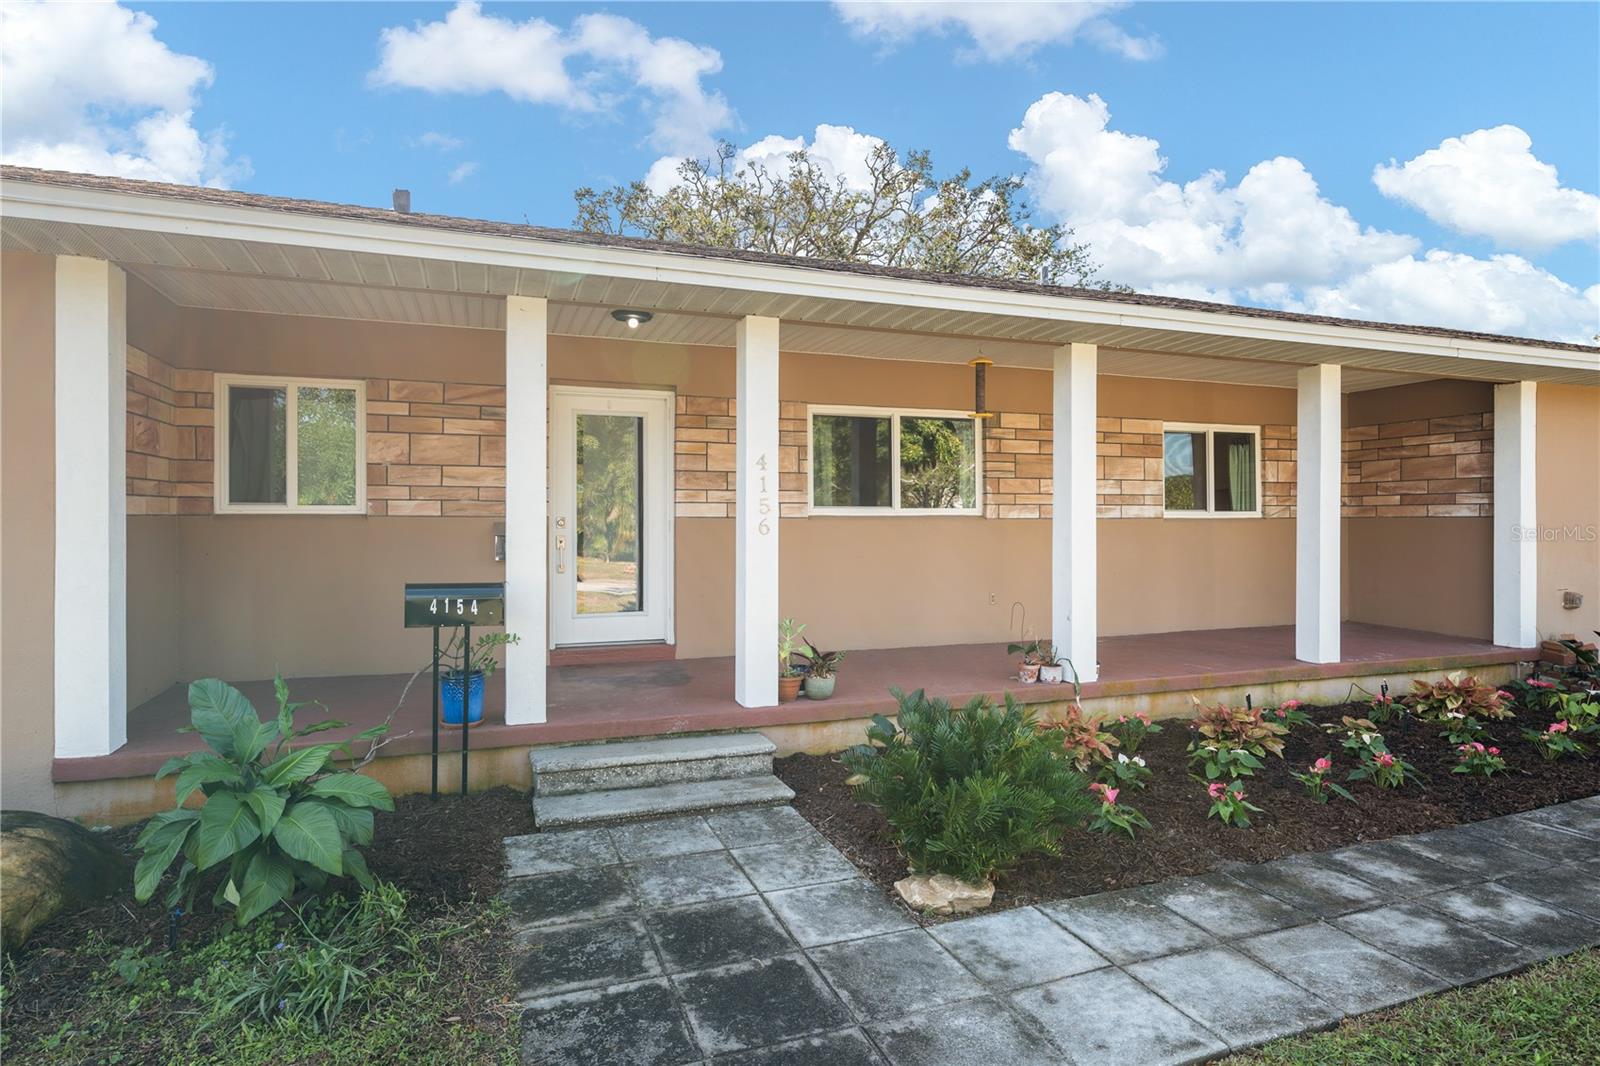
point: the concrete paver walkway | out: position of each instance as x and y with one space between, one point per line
746 938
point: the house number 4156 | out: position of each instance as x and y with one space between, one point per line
763 499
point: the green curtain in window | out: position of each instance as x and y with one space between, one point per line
1242 477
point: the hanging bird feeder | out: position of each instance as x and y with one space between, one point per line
980 398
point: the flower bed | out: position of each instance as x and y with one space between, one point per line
1183 840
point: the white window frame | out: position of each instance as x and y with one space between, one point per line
894 415
1210 429
291 387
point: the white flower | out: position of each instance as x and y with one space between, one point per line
1139 759
1121 757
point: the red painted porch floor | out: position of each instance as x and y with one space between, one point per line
696 695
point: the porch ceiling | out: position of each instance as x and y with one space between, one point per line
237 292
210 256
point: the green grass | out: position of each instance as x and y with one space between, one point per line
1546 1016
436 990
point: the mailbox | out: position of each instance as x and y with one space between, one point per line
481 604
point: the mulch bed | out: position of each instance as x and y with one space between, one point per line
1184 841
443 855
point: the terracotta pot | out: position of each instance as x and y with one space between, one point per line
788 688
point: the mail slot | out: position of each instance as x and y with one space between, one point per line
482 604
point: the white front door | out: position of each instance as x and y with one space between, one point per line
611 507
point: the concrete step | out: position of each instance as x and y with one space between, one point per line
647 763
683 797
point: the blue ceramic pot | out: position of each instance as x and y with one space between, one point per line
450 690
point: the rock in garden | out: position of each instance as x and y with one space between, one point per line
943 894
48 865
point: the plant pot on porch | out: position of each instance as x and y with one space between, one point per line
819 688
788 688
451 689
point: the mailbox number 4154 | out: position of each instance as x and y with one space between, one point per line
458 607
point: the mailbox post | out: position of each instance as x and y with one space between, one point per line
454 606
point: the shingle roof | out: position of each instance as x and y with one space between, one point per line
319 208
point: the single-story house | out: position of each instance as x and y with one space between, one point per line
235 426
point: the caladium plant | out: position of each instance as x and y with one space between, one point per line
277 817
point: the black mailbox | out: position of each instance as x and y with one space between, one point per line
482 604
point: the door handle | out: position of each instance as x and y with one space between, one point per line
561 549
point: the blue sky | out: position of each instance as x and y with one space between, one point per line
1475 234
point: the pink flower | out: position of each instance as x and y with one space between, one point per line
1107 794
1385 760
1539 682
1322 765
1122 718
1503 694
1494 751
1558 727
1290 705
1217 788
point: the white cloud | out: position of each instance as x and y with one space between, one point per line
1272 240
1274 228
1489 183
997 31
462 171
599 63
438 142
1501 294
88 87
838 151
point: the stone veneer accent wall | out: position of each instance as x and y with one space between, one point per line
705 465
169 445
1433 467
436 448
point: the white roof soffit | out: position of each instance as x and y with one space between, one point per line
164 235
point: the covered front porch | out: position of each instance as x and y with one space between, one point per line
1289 502
1160 671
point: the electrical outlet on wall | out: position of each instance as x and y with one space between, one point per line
992 600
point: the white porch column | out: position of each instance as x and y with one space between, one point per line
91 510
755 596
527 506
1074 553
1316 527
1516 543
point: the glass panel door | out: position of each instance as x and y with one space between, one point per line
610 489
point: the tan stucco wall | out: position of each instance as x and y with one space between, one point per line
27 528
1568 464
156 574
1420 573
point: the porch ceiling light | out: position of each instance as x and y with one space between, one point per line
634 319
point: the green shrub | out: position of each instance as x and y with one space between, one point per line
272 813
968 791
337 958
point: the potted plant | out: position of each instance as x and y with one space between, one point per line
1051 671
821 668
466 679
1032 653
789 642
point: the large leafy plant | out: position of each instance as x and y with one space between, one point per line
968 791
274 817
